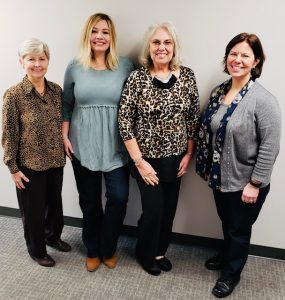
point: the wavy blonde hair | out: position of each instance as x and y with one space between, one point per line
85 53
145 58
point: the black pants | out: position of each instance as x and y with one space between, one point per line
159 205
41 208
237 219
101 230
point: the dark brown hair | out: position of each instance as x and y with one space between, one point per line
253 41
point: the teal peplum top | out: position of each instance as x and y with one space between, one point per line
90 103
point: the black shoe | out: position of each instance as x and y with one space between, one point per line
164 264
150 269
59 245
225 286
215 263
45 261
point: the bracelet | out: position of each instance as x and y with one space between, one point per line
65 137
255 184
138 161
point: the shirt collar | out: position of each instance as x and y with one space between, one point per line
28 87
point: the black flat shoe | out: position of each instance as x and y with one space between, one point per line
59 245
164 264
150 269
225 286
45 261
215 263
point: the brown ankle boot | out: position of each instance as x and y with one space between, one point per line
92 264
110 262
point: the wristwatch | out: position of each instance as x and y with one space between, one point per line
255 184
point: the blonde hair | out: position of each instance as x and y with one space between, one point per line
85 54
33 46
145 58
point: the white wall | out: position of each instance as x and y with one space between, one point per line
204 27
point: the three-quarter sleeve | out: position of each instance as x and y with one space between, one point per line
193 116
68 93
10 134
127 109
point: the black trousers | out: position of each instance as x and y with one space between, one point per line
159 205
237 219
101 229
41 208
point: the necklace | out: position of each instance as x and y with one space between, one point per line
164 79
42 92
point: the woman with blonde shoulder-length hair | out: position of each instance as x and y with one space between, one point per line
158 121
93 84
33 151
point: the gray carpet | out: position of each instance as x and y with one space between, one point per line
21 278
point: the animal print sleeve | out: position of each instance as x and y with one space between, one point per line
10 136
194 110
128 108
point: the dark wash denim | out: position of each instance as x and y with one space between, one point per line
101 228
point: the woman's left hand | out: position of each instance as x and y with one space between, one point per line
249 194
184 165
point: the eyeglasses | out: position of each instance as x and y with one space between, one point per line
158 43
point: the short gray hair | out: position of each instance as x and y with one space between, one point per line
145 58
33 45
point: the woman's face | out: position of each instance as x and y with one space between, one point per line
241 60
161 47
100 37
35 65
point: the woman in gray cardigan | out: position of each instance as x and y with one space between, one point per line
238 143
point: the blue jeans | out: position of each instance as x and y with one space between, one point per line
101 229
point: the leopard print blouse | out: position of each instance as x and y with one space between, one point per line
32 127
161 120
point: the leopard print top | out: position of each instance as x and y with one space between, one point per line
161 120
32 127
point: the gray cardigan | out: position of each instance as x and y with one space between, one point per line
252 140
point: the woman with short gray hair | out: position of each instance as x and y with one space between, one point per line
33 151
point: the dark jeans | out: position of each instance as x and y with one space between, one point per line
101 229
155 225
41 208
237 219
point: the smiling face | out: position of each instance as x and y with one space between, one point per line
240 61
161 47
100 37
35 65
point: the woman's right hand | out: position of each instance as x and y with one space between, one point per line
68 147
147 173
18 178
